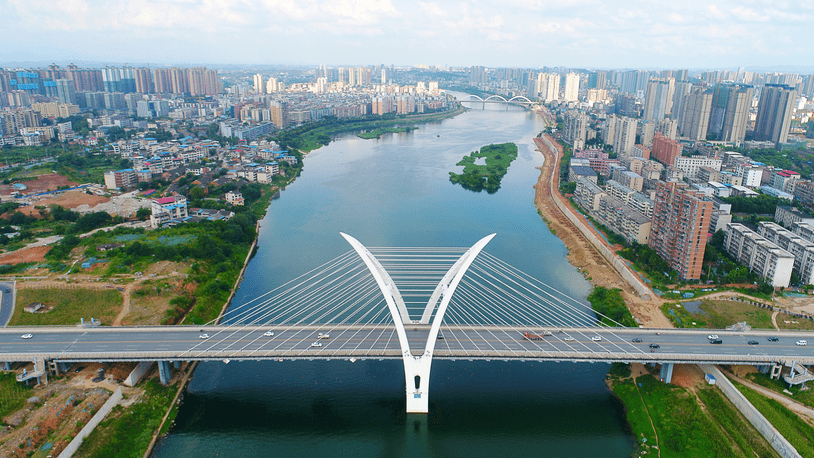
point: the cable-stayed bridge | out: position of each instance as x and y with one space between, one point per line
415 304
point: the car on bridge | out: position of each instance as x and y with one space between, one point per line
316 344
716 341
268 334
203 336
712 337
596 338
323 336
773 339
655 345
637 340
26 336
802 343
753 342
569 339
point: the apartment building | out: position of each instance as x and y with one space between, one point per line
799 247
763 257
679 228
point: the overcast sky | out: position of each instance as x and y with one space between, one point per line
493 33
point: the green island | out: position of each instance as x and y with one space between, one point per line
379 131
485 177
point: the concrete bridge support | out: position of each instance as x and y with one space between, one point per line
666 373
8 366
164 372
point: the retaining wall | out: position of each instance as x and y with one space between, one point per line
100 415
783 447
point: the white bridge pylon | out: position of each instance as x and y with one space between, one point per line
417 367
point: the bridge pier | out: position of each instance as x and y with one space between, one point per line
666 373
8 366
417 378
164 372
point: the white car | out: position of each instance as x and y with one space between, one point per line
316 344
712 336
323 336
802 343
268 334
596 338
203 336
27 336
569 339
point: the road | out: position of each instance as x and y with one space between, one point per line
381 341
7 302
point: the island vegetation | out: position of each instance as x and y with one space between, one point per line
479 177
378 132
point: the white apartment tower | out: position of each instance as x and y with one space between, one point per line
571 93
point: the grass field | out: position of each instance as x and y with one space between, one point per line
68 306
799 433
12 393
778 385
720 314
682 426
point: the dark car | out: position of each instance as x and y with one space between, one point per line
773 339
655 346
753 342
716 341
637 340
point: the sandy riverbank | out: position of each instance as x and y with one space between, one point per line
582 254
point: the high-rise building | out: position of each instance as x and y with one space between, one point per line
659 99
681 89
571 92
678 231
774 113
258 84
66 91
729 113
574 129
624 135
548 86
695 114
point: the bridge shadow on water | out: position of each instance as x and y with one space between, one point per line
338 408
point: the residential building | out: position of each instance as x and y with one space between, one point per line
234 198
167 209
571 90
629 178
574 129
624 135
575 172
121 179
729 113
774 113
659 99
691 165
694 120
665 150
623 220
804 192
801 248
680 225
784 180
760 255
787 216
587 194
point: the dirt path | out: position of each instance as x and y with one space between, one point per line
774 319
582 254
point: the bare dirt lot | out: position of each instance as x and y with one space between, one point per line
70 199
36 254
43 183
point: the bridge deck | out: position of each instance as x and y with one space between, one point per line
380 341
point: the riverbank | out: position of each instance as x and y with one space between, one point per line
582 254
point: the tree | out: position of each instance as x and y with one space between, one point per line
143 213
197 193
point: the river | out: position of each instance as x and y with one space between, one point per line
395 191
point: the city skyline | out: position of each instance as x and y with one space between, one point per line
515 33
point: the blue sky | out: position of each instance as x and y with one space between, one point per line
507 33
